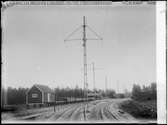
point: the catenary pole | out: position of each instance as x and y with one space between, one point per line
84 39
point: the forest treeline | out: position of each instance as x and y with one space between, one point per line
143 103
17 96
145 92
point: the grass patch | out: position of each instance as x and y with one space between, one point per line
145 109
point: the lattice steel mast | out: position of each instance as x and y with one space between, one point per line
84 39
85 59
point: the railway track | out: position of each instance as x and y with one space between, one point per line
97 112
109 114
59 112
101 110
78 114
66 115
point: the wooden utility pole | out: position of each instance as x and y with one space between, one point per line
93 68
106 84
117 86
94 75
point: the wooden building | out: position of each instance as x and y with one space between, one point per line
40 94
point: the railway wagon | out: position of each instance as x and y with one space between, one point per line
93 96
41 95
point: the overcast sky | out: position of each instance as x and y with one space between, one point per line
34 50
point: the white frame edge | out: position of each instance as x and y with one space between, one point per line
160 61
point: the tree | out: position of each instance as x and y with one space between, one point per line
111 93
16 96
127 93
2 96
136 92
146 93
153 91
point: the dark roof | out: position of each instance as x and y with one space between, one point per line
43 88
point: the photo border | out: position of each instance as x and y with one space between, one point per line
160 45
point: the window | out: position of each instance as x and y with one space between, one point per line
34 95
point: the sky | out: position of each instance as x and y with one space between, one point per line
34 51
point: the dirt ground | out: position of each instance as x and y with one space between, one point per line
106 110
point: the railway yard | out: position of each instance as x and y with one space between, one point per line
106 110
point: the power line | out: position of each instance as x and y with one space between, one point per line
67 38
99 38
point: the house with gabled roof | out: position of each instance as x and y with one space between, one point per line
40 94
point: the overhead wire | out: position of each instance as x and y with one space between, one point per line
72 34
94 33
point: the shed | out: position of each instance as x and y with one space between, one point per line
40 94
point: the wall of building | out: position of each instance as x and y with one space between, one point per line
37 99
